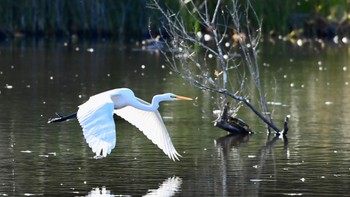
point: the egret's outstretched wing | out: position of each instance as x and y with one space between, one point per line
151 124
96 118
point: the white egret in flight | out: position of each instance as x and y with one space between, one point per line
96 118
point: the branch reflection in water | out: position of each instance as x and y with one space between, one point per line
228 145
168 188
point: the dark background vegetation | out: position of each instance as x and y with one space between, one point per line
128 20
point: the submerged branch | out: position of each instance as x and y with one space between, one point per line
242 99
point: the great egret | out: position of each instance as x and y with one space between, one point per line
96 118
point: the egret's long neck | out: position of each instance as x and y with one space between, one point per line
155 101
149 107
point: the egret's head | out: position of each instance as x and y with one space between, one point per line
172 97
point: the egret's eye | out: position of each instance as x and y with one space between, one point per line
172 96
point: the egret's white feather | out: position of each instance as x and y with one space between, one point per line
152 125
96 118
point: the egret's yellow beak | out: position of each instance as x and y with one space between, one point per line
183 98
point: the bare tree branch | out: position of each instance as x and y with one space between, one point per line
222 38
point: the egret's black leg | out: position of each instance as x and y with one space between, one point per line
62 118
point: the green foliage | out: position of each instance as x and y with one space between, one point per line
275 13
125 18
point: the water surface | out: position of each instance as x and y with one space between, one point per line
39 78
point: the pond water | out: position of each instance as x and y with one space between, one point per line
39 78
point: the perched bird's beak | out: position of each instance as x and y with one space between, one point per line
183 98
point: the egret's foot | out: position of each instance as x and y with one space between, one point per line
62 118
58 119
98 157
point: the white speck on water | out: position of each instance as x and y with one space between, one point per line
227 44
168 117
44 156
319 63
255 166
251 156
85 182
7 86
345 40
292 85
205 149
345 68
225 56
285 76
170 73
26 151
266 64
322 177
256 180
65 44
293 194
302 179
77 49
328 102
29 194
51 77
52 153
346 83
143 66
199 34
320 68
28 86
336 39
210 56
274 103
12 66
91 50
80 96
302 85
291 60
44 102
300 42
108 75
162 66
335 151
207 37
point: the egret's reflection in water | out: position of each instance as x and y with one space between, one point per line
168 188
